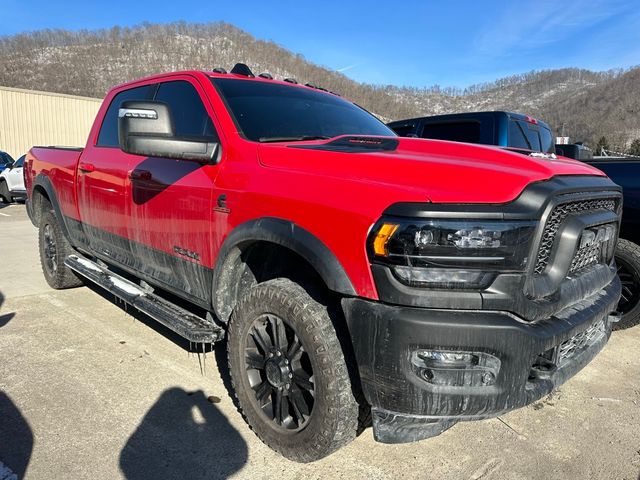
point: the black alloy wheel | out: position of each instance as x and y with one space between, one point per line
279 371
50 259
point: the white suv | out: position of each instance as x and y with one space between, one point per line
12 182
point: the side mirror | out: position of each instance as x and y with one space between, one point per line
146 128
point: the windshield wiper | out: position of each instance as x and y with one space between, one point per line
300 138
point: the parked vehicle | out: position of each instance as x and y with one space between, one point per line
5 160
625 171
505 129
576 151
431 281
12 182
509 130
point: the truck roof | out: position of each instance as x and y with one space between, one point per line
458 116
240 71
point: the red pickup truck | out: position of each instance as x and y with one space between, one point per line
351 271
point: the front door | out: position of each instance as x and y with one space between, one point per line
171 200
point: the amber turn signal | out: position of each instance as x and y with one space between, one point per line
382 238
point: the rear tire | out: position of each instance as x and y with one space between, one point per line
628 262
289 373
5 196
54 248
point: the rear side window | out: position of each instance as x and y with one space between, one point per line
108 136
468 132
19 162
190 118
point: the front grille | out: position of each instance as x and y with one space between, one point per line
580 342
585 257
557 216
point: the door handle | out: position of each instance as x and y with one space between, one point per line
136 174
86 167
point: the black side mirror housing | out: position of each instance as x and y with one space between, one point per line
146 128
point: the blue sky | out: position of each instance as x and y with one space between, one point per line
419 43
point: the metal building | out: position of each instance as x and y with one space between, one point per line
29 117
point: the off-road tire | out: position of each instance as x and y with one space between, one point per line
5 196
628 262
56 273
334 415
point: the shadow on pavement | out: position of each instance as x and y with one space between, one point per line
183 436
16 437
4 319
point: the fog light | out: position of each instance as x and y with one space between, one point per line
456 368
449 359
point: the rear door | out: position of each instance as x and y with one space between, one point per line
102 182
171 200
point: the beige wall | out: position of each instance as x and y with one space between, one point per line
28 118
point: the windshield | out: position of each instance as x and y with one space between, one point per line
5 159
274 112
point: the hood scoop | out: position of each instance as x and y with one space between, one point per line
355 144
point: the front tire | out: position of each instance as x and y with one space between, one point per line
289 373
54 248
628 262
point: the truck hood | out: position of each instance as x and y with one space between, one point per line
437 171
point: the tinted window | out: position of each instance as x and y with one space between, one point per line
190 118
403 130
5 158
455 131
19 162
269 111
108 136
547 141
530 136
517 138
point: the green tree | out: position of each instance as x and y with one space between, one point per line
602 144
634 149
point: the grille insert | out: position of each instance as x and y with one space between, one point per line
585 257
579 342
557 216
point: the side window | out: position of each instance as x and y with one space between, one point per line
190 118
108 136
403 130
19 162
468 131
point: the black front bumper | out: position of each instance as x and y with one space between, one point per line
534 358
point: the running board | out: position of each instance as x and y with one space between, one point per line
184 323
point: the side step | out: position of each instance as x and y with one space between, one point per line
184 323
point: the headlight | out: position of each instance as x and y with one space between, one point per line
450 253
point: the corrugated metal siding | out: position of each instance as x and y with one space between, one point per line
30 118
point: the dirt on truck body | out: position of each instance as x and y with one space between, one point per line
356 275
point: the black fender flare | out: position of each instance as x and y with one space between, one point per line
44 182
286 234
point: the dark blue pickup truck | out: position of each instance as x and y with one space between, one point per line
625 171
527 135
505 129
